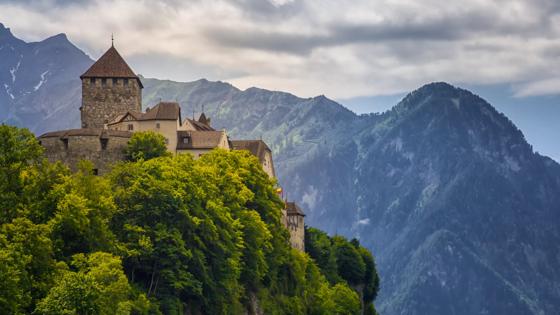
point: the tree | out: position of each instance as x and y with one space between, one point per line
26 265
350 264
168 235
345 299
18 151
146 145
98 286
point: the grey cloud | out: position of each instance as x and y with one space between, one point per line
444 28
343 48
265 10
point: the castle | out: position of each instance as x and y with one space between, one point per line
111 112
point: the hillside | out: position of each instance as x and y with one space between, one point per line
458 210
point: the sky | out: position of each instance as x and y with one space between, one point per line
344 49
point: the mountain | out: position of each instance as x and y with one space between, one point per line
39 82
460 212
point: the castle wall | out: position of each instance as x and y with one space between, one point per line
267 165
295 224
85 147
167 128
105 98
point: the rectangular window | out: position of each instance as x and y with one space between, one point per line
114 82
186 140
95 171
104 143
130 127
65 142
157 125
92 81
103 82
125 82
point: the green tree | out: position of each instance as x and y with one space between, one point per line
346 301
26 256
146 145
98 286
18 151
84 208
350 264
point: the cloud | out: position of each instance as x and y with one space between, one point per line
542 87
341 48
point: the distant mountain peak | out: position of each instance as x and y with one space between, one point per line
58 37
5 33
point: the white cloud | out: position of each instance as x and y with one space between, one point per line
341 48
542 87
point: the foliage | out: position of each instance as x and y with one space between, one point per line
163 234
146 145
346 262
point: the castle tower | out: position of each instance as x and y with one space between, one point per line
109 88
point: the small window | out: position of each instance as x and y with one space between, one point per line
65 142
166 141
125 82
186 140
95 172
130 127
103 82
114 82
157 125
104 143
92 81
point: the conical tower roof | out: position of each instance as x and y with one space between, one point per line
110 65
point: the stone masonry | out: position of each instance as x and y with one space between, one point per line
105 98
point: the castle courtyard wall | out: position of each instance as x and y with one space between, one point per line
85 147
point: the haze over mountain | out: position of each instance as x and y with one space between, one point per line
459 211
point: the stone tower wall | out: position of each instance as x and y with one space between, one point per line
105 98
296 226
85 148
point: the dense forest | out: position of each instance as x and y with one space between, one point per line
163 234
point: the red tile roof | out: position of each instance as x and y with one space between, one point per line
199 126
110 65
198 139
163 111
257 147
